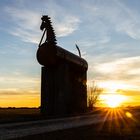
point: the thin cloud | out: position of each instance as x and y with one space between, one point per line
18 84
65 23
122 64
131 23
67 26
17 79
88 43
125 69
27 24
119 17
13 91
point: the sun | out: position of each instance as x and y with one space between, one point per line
113 100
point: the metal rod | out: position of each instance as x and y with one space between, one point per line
78 50
42 37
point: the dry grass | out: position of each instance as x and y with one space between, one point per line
8 115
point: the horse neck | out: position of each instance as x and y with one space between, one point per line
51 35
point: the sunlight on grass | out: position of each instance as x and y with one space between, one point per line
118 120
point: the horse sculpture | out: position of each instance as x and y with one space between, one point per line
63 80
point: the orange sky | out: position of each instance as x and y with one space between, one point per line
33 99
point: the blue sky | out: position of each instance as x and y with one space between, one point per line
106 31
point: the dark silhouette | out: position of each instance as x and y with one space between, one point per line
78 49
63 80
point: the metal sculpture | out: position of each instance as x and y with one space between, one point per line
63 80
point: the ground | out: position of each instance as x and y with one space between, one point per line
127 127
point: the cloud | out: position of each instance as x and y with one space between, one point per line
116 16
90 42
19 84
129 65
64 21
123 70
66 26
27 23
131 23
13 91
129 92
16 78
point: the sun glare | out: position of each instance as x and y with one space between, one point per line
113 100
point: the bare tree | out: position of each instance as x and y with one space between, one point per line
93 95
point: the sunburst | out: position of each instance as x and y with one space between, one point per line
113 100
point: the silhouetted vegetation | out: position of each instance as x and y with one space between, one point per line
93 95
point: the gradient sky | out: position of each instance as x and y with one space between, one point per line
106 31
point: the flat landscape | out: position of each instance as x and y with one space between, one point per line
10 115
116 124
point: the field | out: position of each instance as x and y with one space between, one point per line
9 115
127 127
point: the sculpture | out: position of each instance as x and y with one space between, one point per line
63 82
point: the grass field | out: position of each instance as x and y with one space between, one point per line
9 115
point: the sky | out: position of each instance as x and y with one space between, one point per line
106 31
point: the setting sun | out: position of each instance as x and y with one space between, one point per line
114 100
